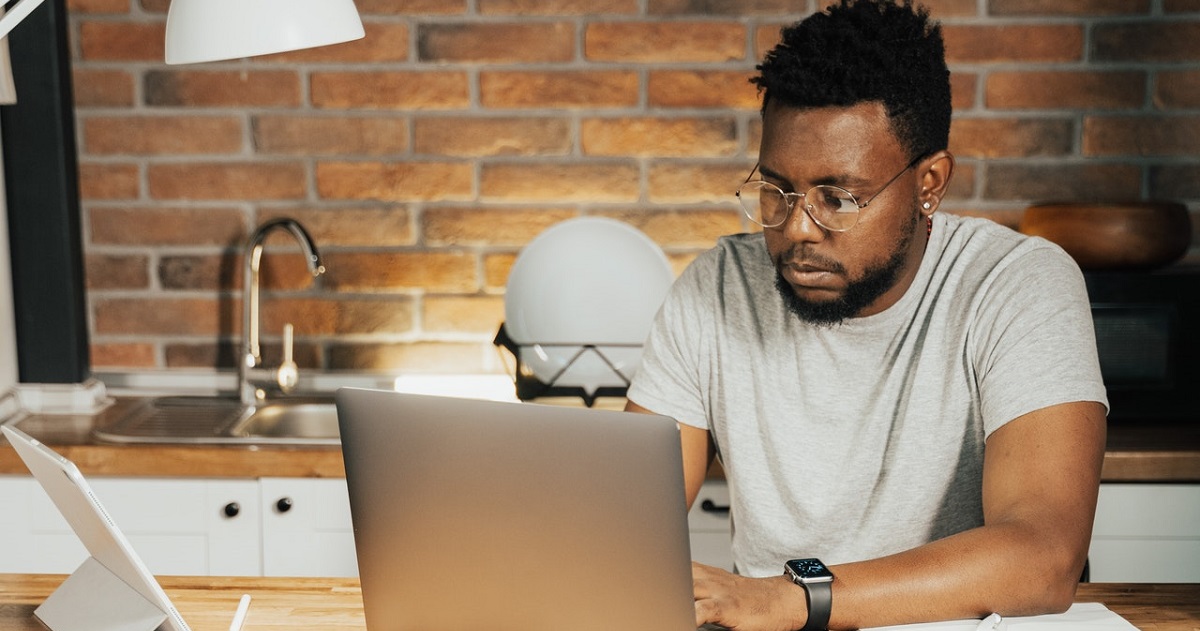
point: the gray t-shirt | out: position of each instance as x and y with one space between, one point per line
864 439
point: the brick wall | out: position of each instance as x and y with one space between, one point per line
423 157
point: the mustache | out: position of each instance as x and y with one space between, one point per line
802 256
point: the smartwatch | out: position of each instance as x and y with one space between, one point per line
817 581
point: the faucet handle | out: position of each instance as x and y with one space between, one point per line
288 374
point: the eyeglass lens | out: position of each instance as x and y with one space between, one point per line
830 207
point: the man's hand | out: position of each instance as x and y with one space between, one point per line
747 604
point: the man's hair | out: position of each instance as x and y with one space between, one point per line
860 51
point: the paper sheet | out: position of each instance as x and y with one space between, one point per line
1080 617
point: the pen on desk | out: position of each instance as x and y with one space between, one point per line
239 617
989 623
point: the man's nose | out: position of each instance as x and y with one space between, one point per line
800 226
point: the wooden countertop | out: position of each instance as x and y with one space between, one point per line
1141 452
334 604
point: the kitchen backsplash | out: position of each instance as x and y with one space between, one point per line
423 157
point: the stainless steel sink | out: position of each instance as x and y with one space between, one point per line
306 420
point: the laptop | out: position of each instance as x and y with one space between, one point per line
112 589
472 514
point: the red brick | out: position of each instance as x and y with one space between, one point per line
682 137
474 137
323 317
381 43
1177 89
228 180
703 88
939 9
1020 43
1181 6
412 357
557 7
407 7
1036 182
696 182
962 182
217 354
204 88
400 181
686 228
97 6
495 270
123 355
353 226
162 316
1175 181
102 88
560 182
1163 41
453 272
962 90
720 7
1075 7
325 135
121 41
665 41
1141 136
108 181
466 226
537 89
497 42
159 135
155 6
1010 138
462 314
390 90
117 271
212 272
167 226
1066 90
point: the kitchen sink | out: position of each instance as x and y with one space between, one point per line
298 420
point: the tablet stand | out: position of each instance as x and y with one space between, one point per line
95 599
530 387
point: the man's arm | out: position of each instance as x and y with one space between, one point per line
698 454
1040 481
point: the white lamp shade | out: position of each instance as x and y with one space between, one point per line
212 30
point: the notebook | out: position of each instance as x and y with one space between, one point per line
112 589
474 514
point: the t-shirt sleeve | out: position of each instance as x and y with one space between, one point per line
1036 347
669 381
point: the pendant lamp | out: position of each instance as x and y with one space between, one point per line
213 30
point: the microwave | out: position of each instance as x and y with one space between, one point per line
1148 339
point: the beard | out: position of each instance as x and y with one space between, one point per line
859 293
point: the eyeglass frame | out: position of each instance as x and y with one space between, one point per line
791 206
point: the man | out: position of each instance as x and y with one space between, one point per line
912 398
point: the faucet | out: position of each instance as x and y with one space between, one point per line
252 378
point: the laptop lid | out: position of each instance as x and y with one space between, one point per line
113 564
476 514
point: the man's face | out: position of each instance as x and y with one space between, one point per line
828 276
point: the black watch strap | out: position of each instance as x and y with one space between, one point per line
820 603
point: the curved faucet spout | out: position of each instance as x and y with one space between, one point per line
252 353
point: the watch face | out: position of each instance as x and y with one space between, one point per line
809 569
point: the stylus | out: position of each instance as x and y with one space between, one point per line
239 616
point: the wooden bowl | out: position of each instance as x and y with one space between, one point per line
1100 236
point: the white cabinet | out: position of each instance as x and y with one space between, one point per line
177 525
1146 533
306 528
708 526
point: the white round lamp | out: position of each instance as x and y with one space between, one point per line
213 30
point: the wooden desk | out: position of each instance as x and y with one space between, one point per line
335 604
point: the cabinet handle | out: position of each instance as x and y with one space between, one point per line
284 504
712 507
232 509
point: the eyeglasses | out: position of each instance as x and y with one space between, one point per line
831 207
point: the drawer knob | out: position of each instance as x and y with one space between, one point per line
232 509
284 504
713 508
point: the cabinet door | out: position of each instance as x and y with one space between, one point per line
1146 533
176 526
306 529
708 526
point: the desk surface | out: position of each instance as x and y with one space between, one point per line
332 604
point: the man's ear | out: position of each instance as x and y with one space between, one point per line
935 179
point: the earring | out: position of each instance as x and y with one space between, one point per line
926 205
